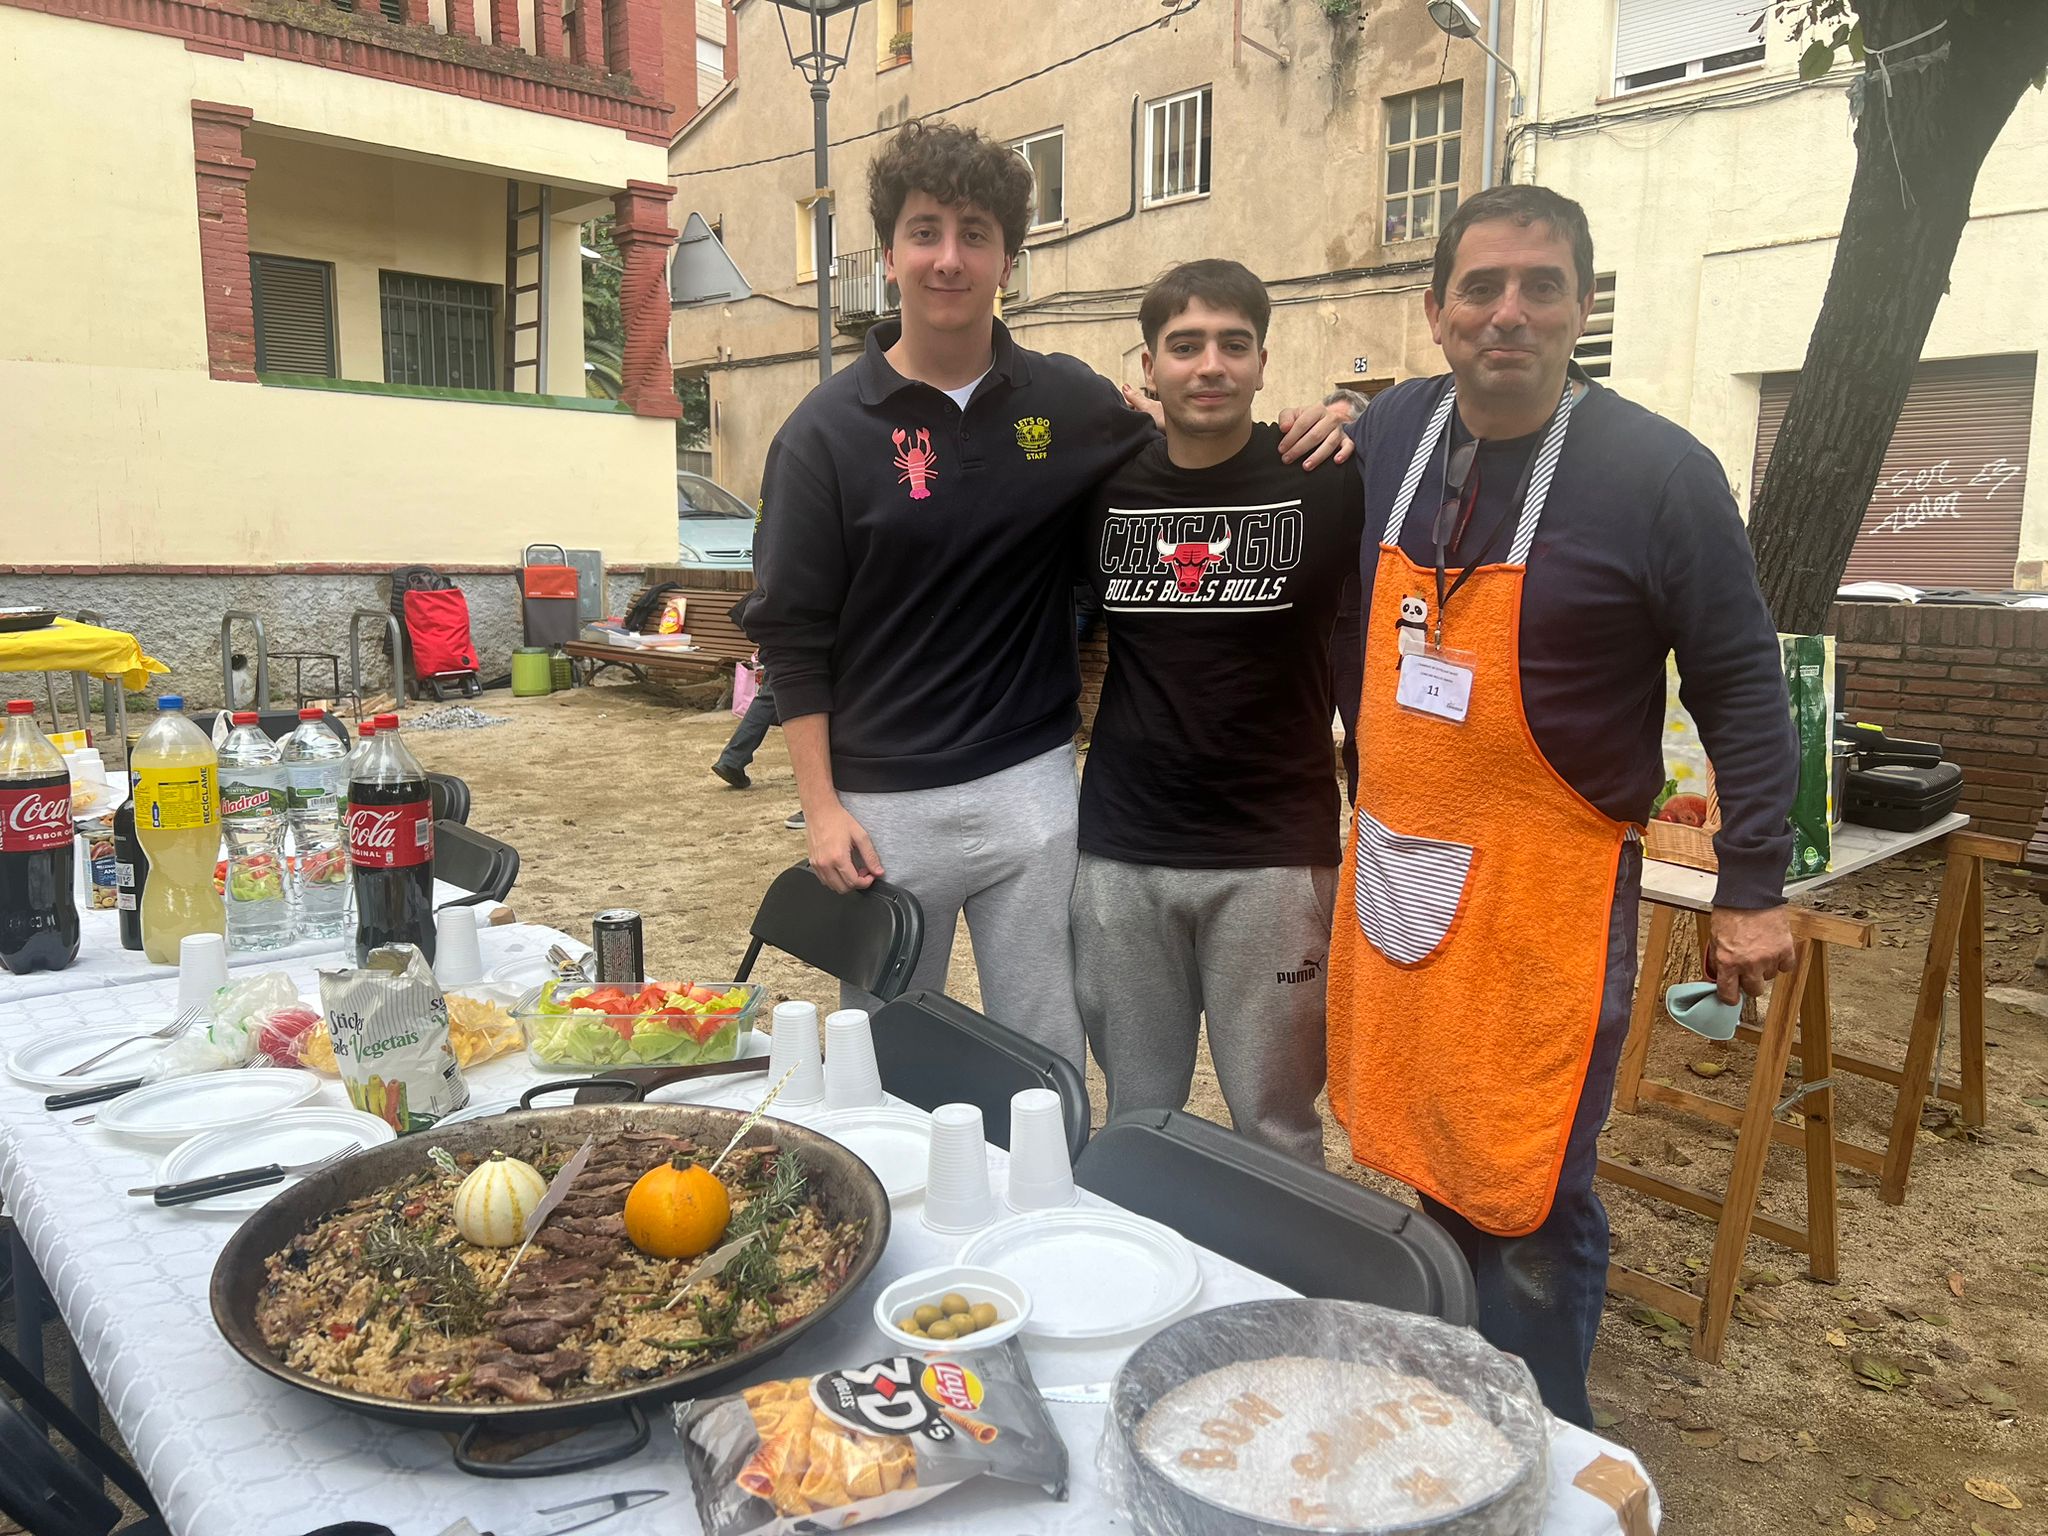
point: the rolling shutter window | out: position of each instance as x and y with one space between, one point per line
1652 35
294 304
1946 512
1595 349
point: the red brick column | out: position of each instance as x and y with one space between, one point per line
547 27
640 230
588 42
505 23
632 35
462 18
416 14
223 172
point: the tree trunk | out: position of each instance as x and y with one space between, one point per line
1930 132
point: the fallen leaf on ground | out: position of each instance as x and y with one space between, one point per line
1650 1317
1705 1439
1604 1418
1755 1311
1955 1285
2036 1267
1715 1069
1876 1371
1943 1394
1863 1322
1755 1455
1666 1409
1896 1502
1753 1275
1862 1525
1805 1440
1836 1337
1950 1350
1674 1156
1992 1493
1992 1395
2031 1176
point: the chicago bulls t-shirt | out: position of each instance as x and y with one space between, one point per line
1212 745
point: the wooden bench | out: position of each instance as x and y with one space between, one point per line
716 642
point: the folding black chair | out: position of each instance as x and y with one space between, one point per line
1310 1230
449 797
933 1050
477 863
43 1492
868 939
277 723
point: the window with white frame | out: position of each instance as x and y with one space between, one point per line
1658 42
1424 161
1177 147
1594 352
1046 154
808 212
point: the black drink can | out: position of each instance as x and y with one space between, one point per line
615 936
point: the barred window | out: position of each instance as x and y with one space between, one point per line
437 331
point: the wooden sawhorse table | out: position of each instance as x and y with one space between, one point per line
1800 1004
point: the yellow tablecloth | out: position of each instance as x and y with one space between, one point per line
67 646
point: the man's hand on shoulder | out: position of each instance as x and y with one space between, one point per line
1749 948
1145 403
840 850
1317 431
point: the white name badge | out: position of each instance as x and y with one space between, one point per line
1433 685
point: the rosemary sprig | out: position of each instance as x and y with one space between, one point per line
456 1300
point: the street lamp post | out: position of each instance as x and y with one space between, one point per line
819 62
1455 18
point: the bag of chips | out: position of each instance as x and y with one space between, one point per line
817 1453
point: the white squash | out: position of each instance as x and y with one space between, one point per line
492 1204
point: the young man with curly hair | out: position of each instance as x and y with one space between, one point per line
914 577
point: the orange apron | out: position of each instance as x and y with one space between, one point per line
1467 964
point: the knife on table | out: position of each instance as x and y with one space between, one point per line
93 1095
188 1190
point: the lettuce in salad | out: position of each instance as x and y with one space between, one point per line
575 1023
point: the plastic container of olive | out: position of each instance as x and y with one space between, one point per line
938 1301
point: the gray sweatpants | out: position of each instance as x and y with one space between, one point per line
1001 849
1156 948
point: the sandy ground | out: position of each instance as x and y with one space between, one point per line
606 793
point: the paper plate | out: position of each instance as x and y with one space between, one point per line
895 1143
294 1136
42 1064
184 1106
1091 1273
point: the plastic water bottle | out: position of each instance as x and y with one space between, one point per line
252 817
316 768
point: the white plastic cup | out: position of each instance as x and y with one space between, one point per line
202 966
1041 1174
457 959
852 1080
795 1044
957 1197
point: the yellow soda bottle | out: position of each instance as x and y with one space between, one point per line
177 818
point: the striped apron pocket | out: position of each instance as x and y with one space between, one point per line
1407 891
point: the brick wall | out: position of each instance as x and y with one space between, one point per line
1094 663
1973 679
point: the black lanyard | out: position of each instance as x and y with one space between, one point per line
1507 520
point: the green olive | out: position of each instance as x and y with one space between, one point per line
984 1314
952 1304
964 1324
908 1322
926 1316
942 1329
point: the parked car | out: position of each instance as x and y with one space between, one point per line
714 528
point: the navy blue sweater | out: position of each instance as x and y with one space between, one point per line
913 564
1640 554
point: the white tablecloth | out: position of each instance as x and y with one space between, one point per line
102 962
229 1452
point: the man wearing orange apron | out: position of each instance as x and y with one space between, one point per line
1542 546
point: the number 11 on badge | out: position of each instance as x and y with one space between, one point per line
1435 683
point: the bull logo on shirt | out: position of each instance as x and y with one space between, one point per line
1190 562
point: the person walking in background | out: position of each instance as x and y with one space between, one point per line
748 735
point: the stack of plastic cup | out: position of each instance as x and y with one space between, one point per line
457 959
1041 1173
795 1044
202 966
957 1197
852 1080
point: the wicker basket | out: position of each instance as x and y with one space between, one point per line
1691 846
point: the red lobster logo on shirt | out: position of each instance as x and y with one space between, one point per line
914 465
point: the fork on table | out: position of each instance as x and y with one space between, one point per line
177 1029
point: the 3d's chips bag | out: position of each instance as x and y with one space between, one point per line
816 1453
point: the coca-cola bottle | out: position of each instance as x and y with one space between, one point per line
391 845
38 912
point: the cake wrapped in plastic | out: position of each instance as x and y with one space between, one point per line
1329 1416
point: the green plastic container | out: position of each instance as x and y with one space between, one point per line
531 675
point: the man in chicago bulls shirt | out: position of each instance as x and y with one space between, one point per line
913 602
1209 814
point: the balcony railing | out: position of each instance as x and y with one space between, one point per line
861 292
585 32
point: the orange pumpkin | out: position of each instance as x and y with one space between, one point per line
677 1210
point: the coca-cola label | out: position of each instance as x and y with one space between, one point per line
391 836
35 820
